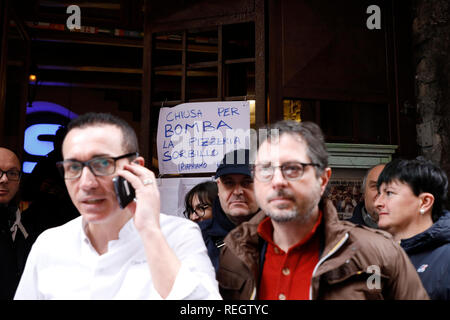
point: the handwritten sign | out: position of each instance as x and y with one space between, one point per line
194 137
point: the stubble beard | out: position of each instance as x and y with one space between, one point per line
282 214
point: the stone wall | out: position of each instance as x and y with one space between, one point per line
431 39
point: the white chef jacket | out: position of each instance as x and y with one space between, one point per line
64 265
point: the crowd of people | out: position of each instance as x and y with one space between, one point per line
264 229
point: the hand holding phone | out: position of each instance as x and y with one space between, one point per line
124 191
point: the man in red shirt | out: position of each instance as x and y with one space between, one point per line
297 248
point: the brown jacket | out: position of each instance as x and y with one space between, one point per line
346 269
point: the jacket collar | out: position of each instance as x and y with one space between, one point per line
247 233
367 218
435 236
334 229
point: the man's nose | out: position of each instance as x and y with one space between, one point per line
278 179
238 189
87 179
4 178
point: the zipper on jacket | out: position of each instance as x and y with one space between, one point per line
253 295
332 251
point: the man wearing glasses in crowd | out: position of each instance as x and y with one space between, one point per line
13 247
297 248
109 252
235 203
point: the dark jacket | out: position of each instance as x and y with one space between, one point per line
360 216
430 254
345 269
214 231
13 254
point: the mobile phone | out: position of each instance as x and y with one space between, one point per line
124 191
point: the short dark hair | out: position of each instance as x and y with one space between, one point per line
205 191
311 133
422 176
129 138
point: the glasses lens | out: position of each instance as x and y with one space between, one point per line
263 172
71 169
292 170
103 166
13 175
200 210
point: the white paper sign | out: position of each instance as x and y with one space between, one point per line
173 191
194 137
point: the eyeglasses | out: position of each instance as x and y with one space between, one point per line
291 171
101 166
199 210
12 175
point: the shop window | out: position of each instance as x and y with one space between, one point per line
342 121
206 64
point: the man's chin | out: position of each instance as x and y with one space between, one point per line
282 215
4 200
237 212
238 207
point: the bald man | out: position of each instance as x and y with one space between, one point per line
365 212
9 175
13 246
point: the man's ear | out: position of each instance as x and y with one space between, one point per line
324 179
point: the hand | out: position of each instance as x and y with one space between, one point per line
161 259
146 207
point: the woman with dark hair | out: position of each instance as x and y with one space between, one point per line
198 201
412 194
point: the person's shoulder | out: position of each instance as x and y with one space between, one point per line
173 223
375 247
370 238
362 230
65 231
442 251
180 231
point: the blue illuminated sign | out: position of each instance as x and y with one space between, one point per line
38 135
33 145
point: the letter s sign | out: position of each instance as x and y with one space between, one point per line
35 146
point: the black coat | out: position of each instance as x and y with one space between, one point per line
429 252
13 254
214 231
358 218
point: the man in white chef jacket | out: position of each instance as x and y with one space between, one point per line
109 252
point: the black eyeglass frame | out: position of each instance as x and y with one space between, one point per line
60 165
273 168
9 172
203 206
